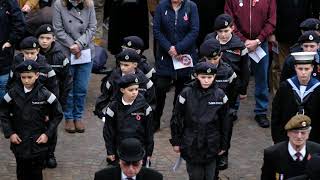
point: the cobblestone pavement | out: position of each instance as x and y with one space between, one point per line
80 155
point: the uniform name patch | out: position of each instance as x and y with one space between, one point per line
39 102
214 103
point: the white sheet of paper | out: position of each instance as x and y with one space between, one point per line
258 54
184 62
177 164
84 58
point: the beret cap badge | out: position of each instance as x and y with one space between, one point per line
310 37
129 43
136 80
126 57
29 67
48 28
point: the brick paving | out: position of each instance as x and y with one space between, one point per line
80 155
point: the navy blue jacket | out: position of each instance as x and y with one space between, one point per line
12 29
181 32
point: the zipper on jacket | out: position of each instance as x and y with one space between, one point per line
250 18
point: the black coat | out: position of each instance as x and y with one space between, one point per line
208 11
47 74
236 55
110 90
199 124
277 160
61 66
24 114
289 17
285 105
114 173
302 177
12 30
123 121
127 19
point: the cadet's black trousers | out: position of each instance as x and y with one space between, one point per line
30 169
163 84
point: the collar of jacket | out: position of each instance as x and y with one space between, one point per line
168 4
70 6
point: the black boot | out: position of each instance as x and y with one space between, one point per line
51 161
223 162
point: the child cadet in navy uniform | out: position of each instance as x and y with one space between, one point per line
23 111
234 53
136 43
199 127
298 94
128 115
60 64
30 50
225 79
310 24
128 60
309 42
57 60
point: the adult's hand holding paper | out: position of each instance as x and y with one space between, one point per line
258 54
84 58
182 61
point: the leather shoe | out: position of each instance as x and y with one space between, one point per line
51 161
79 126
69 126
262 120
223 162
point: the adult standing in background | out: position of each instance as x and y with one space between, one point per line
175 28
74 22
12 30
255 21
127 18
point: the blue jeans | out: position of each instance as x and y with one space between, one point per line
260 71
3 84
77 95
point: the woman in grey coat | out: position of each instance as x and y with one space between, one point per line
74 22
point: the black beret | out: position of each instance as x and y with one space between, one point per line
310 24
309 36
210 48
44 29
128 55
205 68
27 66
222 21
128 80
29 43
134 42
